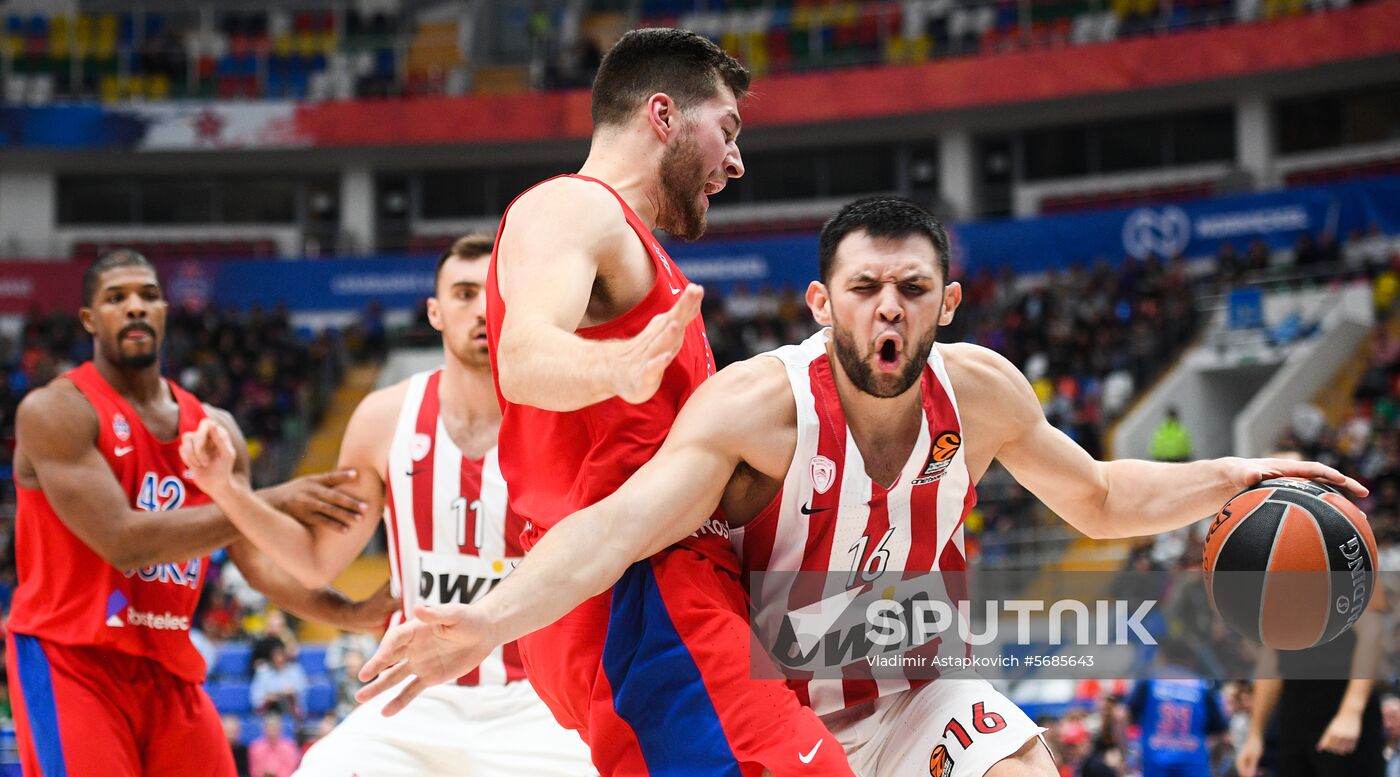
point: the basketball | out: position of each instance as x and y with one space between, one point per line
1290 563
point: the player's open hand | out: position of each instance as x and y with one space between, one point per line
1248 472
209 455
440 644
643 359
318 499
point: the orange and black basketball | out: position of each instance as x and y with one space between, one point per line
1290 563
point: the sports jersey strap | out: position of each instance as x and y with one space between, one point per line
634 221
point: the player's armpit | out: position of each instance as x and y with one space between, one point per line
56 430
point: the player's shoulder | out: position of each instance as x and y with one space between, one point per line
978 366
57 404
378 413
755 390
567 197
757 375
988 387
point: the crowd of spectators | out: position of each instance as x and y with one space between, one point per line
337 52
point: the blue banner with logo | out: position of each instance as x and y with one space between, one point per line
1026 245
1192 229
394 283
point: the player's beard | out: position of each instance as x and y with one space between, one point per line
858 368
137 361
683 177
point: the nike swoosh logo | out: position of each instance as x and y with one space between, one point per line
807 509
415 472
675 290
806 759
120 452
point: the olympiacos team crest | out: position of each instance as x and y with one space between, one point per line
823 473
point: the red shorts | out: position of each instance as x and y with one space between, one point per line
85 710
655 676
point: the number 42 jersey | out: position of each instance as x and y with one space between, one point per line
70 595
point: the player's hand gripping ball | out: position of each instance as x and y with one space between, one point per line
1290 563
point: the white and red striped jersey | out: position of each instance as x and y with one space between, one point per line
452 534
831 517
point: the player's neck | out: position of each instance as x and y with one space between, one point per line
468 406
629 169
887 425
139 386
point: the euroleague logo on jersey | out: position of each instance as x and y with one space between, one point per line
121 428
940 457
940 764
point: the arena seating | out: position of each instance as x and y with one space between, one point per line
335 54
1119 198
1331 173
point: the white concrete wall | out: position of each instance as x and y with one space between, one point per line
1306 372
357 216
28 213
1254 138
1238 401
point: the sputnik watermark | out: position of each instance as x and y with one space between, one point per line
892 623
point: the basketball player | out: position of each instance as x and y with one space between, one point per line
425 451
112 542
857 451
597 344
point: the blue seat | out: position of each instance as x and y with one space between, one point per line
231 697
320 699
233 660
312 658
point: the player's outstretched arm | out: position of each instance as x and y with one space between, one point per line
313 554
1123 498
324 605
666 500
57 428
556 242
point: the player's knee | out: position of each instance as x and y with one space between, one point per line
1032 760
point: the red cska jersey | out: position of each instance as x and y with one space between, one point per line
558 463
67 593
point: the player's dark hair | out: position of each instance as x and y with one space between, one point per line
881 217
466 247
686 66
117 257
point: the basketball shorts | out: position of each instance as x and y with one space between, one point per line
85 710
947 728
472 731
655 676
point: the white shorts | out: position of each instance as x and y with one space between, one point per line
947 728
474 731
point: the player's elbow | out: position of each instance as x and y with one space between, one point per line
125 554
508 379
313 576
1093 522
